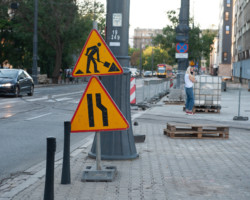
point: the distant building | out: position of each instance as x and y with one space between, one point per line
225 38
241 39
143 37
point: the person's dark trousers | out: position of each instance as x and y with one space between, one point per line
190 98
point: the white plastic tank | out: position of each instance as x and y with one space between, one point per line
207 91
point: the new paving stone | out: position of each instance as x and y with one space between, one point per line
167 169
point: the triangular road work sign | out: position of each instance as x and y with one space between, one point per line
96 58
97 111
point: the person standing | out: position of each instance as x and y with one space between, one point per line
60 76
189 83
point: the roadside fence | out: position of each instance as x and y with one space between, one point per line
152 90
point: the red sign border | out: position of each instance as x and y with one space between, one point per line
108 74
110 98
182 45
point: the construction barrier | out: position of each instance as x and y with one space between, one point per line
132 91
171 83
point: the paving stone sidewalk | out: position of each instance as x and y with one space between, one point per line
166 169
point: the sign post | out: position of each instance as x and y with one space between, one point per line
97 112
98 151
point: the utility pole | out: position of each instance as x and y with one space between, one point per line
182 38
35 42
152 57
95 26
140 58
118 145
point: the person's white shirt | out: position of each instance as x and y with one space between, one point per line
188 82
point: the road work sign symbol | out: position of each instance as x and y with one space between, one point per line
181 48
97 111
96 58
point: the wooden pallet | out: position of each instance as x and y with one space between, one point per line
175 130
201 109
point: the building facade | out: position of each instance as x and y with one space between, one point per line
143 37
224 63
241 40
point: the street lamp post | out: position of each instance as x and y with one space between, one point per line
182 37
140 58
152 67
35 42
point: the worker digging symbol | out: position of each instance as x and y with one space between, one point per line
93 50
96 58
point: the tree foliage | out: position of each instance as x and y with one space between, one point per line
199 42
63 27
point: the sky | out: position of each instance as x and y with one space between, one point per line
152 13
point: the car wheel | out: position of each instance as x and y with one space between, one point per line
17 91
31 91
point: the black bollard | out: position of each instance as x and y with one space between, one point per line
66 154
49 177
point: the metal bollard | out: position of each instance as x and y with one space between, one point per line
65 179
49 177
224 86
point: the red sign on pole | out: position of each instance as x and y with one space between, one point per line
182 47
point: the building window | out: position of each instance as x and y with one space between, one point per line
225 56
228 3
226 16
227 30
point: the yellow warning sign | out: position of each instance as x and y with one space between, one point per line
97 111
96 58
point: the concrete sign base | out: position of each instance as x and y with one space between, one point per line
107 173
240 118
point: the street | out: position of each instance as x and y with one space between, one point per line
167 168
27 121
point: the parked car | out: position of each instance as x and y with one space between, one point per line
134 72
147 73
15 82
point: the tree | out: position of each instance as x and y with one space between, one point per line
134 56
12 46
63 27
195 44
166 41
159 55
207 41
199 42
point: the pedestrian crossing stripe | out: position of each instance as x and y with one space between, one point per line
97 111
96 58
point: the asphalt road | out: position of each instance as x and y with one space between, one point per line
26 122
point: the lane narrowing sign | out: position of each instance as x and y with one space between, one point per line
97 111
